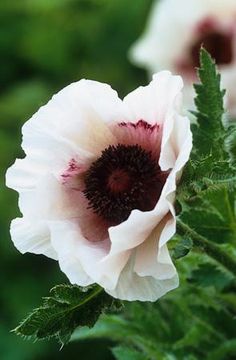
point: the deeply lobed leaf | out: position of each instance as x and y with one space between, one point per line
66 308
210 109
207 191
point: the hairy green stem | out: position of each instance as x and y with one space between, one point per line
211 249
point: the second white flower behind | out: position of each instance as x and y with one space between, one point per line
175 32
97 185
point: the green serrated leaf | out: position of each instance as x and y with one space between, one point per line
212 214
66 308
209 103
207 191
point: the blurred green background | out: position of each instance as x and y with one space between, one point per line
45 45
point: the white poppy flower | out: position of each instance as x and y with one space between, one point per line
174 34
97 185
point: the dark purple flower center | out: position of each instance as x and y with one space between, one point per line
218 42
123 178
219 45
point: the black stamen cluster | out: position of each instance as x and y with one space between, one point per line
145 182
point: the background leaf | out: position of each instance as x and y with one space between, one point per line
125 353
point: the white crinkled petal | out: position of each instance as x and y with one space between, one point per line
154 102
32 236
133 287
51 151
104 271
176 143
82 259
47 201
152 260
65 239
24 174
73 124
76 115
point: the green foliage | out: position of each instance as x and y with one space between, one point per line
209 103
207 192
208 170
225 351
182 248
230 145
125 353
67 308
189 323
208 274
